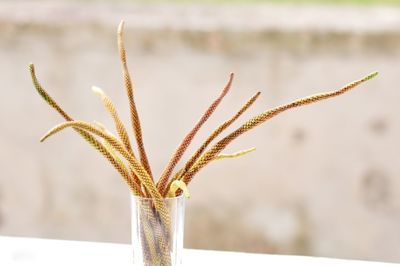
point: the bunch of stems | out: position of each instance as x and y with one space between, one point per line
136 170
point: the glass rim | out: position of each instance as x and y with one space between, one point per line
151 199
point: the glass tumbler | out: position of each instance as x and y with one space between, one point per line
157 236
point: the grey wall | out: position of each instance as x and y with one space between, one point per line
324 179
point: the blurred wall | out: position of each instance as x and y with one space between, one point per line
324 179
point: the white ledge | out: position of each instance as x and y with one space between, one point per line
31 251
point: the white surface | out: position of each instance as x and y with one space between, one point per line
31 251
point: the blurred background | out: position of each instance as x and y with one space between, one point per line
324 180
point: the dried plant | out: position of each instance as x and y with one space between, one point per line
137 172
137 129
261 118
189 137
215 134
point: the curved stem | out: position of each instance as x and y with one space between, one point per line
259 119
129 90
162 183
138 169
88 137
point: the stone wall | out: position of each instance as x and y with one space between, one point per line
324 180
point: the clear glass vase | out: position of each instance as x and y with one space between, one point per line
157 235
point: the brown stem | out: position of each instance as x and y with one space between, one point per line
87 136
162 183
129 90
215 134
123 134
137 167
259 119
